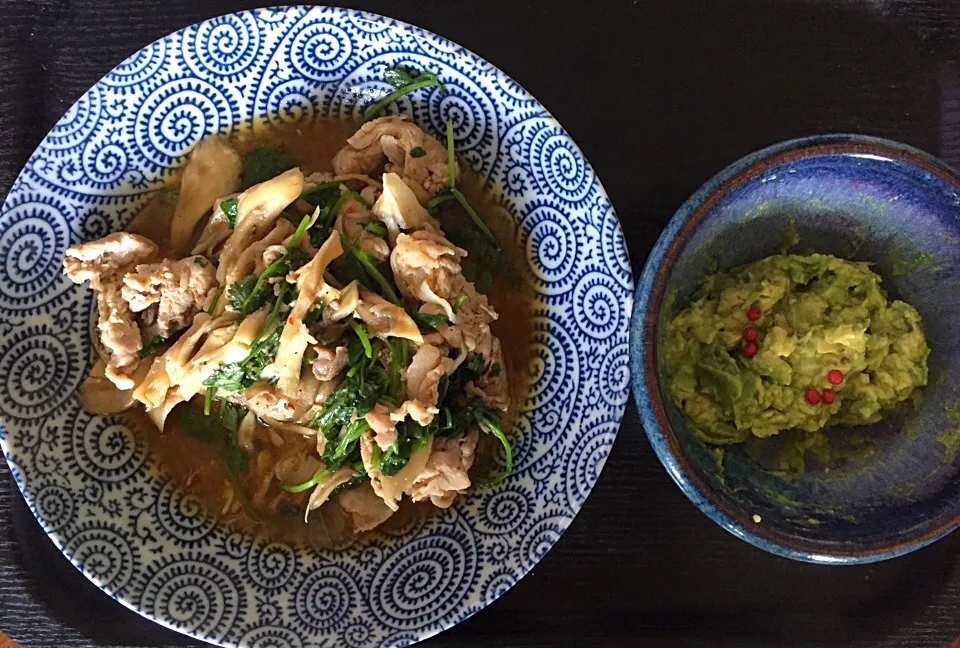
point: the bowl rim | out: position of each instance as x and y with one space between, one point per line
643 358
460 614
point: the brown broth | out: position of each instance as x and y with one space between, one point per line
199 467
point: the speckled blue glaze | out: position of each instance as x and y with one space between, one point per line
856 197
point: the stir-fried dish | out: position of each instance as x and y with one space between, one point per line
320 338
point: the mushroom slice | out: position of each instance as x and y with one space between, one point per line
257 210
295 337
399 208
212 171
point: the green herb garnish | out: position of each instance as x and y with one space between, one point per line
250 293
152 345
411 437
434 203
428 320
208 399
215 300
247 294
376 228
237 376
362 336
310 483
417 152
321 194
359 478
229 209
370 266
298 233
457 194
404 83
263 163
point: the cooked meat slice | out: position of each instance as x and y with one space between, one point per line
390 140
119 336
264 400
351 219
383 427
424 373
178 288
329 362
446 473
427 367
106 259
491 387
420 411
426 266
366 510
471 334
213 170
390 488
103 263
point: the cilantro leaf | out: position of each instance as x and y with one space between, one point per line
428 320
321 194
247 294
262 163
229 209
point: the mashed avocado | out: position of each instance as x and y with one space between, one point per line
792 342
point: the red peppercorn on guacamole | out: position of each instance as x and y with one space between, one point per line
792 342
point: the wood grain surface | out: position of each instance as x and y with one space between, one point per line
659 94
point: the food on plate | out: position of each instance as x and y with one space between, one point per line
792 342
316 333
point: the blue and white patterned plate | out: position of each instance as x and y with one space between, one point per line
94 485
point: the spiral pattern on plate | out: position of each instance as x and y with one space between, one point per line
326 598
427 575
104 551
38 370
192 594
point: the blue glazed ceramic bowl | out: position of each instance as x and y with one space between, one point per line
93 483
856 197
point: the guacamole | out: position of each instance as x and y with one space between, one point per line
791 342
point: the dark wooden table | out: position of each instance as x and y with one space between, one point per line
659 94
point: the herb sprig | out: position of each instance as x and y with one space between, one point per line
404 82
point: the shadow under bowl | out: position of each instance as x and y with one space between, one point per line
855 197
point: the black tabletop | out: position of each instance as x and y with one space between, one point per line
659 94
